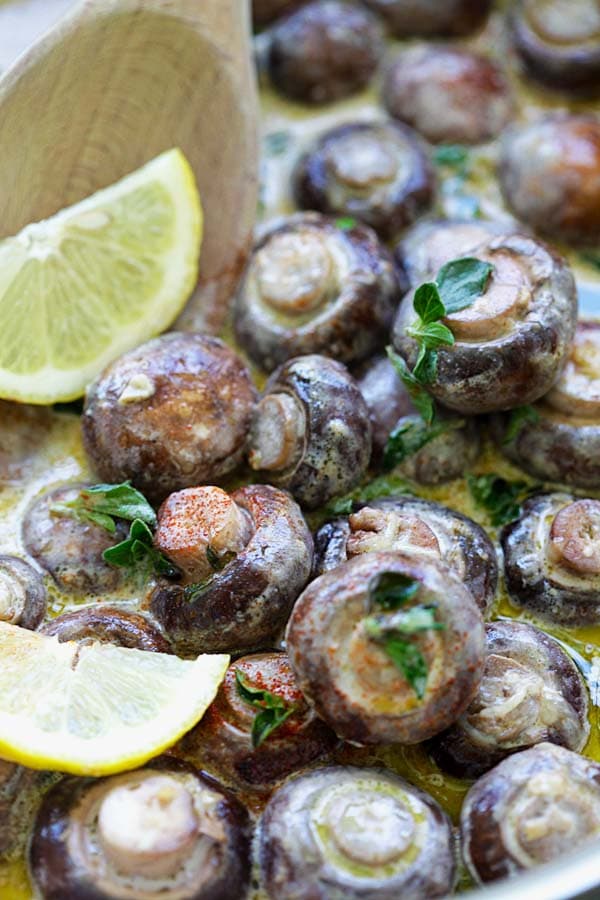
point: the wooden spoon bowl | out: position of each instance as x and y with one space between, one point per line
115 83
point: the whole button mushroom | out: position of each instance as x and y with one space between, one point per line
552 559
512 342
325 51
560 440
448 95
409 524
343 833
165 831
108 624
531 692
533 807
559 41
442 457
311 432
387 647
415 18
23 598
266 11
378 172
237 592
259 728
312 287
70 549
550 175
170 414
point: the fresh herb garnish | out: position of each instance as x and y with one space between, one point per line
462 281
138 549
591 258
500 498
273 710
379 487
346 223
421 400
454 156
518 417
389 592
276 143
101 504
411 436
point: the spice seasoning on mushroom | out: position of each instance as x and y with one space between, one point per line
388 647
163 831
532 808
343 833
531 692
312 287
169 414
238 595
259 728
409 524
377 172
311 432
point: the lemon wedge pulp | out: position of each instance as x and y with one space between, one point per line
95 709
97 279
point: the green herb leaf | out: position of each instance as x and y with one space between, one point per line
500 498
407 657
138 549
345 223
101 504
462 281
404 621
454 156
379 487
273 709
427 303
276 143
390 590
432 336
518 417
592 259
422 401
411 436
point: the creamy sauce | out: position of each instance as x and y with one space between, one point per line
287 129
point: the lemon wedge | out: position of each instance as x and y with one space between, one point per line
97 279
95 709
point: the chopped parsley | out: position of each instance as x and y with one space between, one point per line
273 710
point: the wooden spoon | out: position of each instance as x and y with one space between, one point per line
113 84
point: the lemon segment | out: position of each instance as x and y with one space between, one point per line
96 709
98 278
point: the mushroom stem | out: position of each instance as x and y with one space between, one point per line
277 434
575 537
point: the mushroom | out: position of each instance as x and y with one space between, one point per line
23 598
170 414
559 41
533 807
325 51
235 733
552 559
312 287
358 834
440 459
550 175
108 624
408 524
512 342
19 789
69 549
531 692
560 441
164 831
266 11
447 94
246 599
387 647
311 432
24 429
378 172
416 18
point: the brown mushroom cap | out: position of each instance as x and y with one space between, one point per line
360 834
550 559
169 414
23 598
448 95
563 443
349 677
312 287
545 802
266 11
415 18
531 691
377 172
558 41
325 51
247 603
162 831
550 175
108 624
405 523
318 443
223 738
512 342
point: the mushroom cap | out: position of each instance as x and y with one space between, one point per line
109 624
23 596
